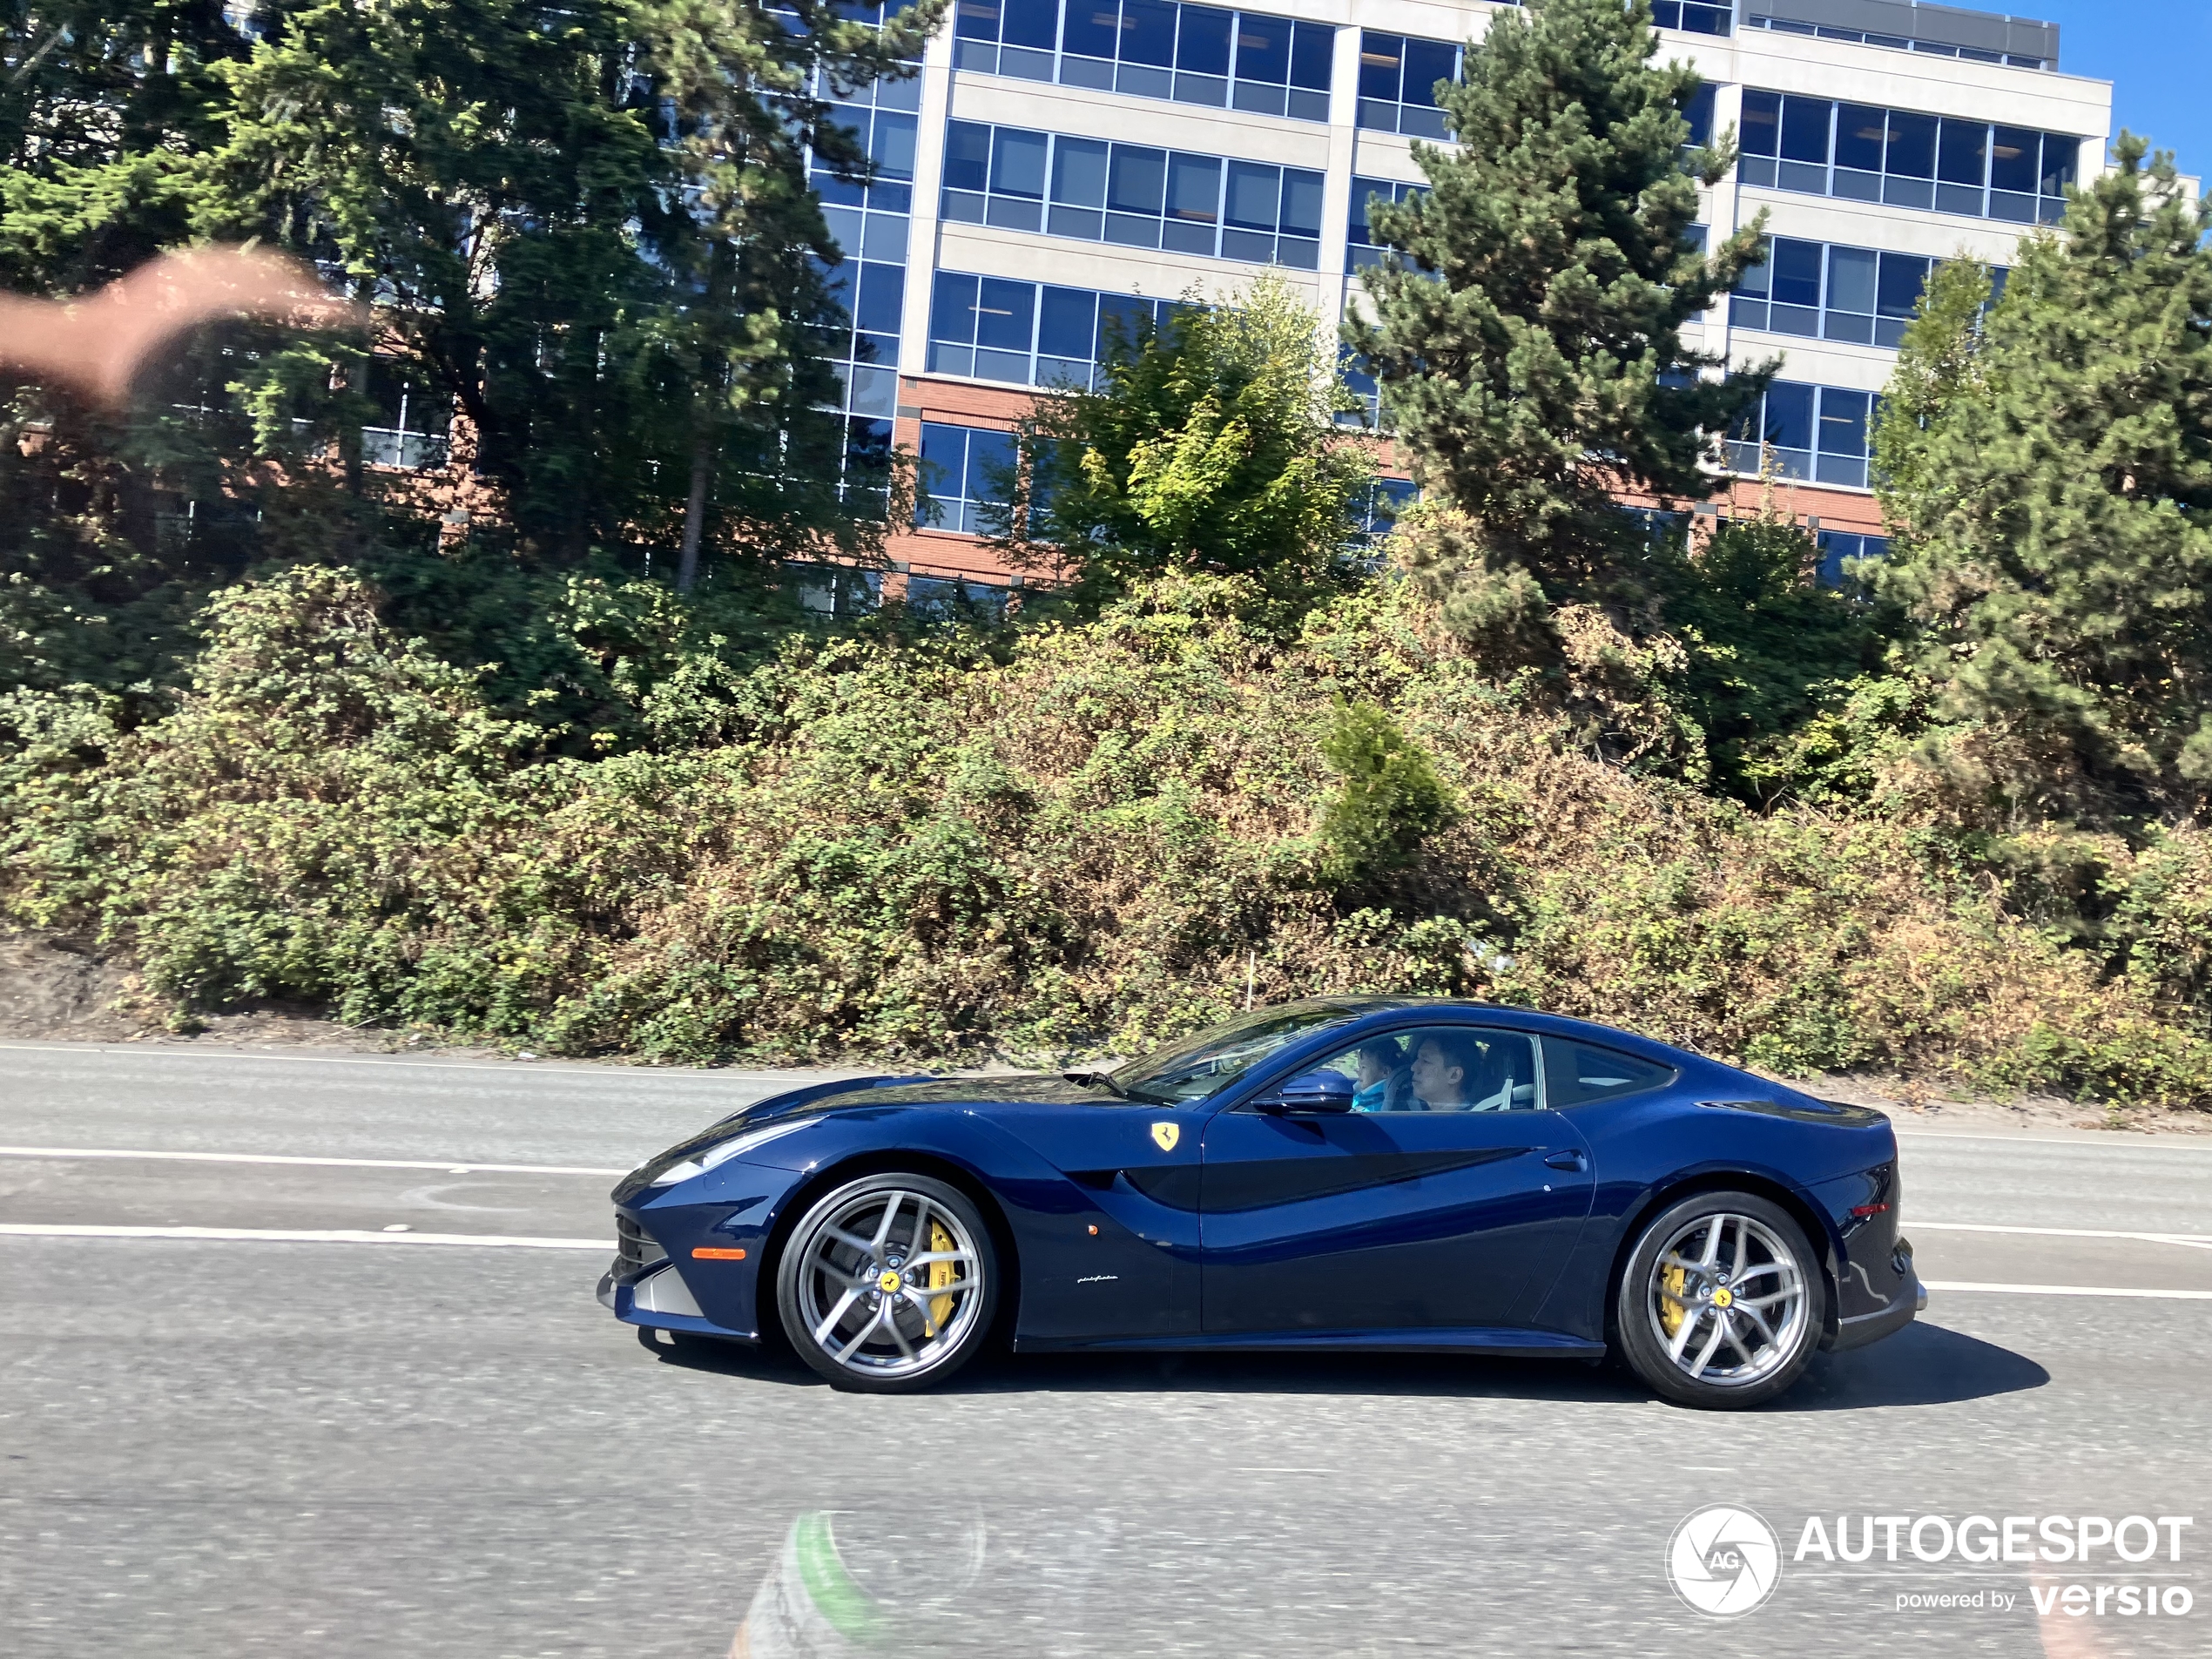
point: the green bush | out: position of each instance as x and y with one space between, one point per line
1391 802
943 843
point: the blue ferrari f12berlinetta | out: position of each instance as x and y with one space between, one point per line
1340 1173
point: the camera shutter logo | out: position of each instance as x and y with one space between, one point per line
1723 1560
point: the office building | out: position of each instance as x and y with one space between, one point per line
1061 159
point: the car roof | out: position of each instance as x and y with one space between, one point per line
1558 1025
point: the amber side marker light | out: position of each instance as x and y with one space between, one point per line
709 1253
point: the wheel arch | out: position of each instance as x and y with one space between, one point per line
1792 1202
803 1198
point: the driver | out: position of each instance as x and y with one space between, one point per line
1444 1070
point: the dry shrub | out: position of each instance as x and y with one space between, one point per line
1087 837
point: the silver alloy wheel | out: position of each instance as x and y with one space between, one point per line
890 1284
1726 1287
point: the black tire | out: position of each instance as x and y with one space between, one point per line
824 1281
1683 1327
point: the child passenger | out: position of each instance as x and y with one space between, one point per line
1379 1063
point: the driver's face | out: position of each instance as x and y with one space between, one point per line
1434 1081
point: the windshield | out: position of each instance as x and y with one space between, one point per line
1214 1059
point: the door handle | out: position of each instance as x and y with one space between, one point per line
1571 1159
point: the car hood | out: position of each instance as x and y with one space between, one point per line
1041 1090
856 1095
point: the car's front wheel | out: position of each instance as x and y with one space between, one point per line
1722 1301
888 1284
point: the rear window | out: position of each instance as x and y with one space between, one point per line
1576 1073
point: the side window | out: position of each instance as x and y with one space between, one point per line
1576 1073
1440 1068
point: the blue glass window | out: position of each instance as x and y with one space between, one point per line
1358 239
1028 334
1397 77
1017 163
1814 290
1193 54
1693 16
948 597
1032 23
1148 32
968 156
1136 180
887 135
1819 433
1836 546
1699 113
1136 195
869 224
1861 136
967 479
1091 30
1202 47
1906 160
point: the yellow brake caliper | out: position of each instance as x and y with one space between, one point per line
1671 1284
940 1275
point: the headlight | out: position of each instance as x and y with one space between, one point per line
716 1155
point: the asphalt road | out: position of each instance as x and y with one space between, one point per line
240 1446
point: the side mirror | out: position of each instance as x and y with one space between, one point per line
1311 1091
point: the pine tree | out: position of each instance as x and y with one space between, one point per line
2050 489
1938 363
1208 447
1527 336
102 107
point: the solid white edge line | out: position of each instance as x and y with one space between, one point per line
2067 1290
2197 1241
2124 1139
654 1073
451 1166
334 1236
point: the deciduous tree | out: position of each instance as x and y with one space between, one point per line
1208 445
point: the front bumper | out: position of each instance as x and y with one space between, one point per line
689 1255
658 1300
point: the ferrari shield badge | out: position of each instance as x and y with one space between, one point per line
1167 1135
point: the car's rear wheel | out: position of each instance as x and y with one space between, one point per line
1722 1301
888 1284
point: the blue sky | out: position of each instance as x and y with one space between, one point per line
2156 53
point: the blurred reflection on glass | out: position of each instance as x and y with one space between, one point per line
850 1581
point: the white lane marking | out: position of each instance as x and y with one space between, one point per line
2194 1241
450 1166
2127 1139
333 1236
2067 1290
652 1073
